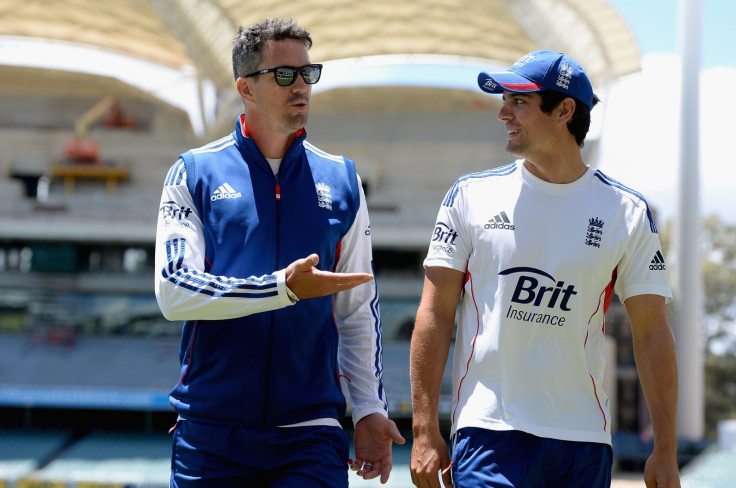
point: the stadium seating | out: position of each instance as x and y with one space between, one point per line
129 459
24 451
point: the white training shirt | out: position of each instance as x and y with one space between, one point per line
541 261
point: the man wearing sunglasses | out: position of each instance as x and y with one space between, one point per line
263 249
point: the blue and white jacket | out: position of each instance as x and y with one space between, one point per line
227 229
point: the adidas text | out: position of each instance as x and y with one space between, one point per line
221 196
657 263
500 221
499 225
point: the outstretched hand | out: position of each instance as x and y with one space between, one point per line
306 281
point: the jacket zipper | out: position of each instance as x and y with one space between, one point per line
269 357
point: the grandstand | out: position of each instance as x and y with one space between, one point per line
22 452
86 359
123 459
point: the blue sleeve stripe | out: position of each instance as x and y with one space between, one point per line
615 184
180 253
208 284
174 255
378 360
500 171
176 173
218 283
220 294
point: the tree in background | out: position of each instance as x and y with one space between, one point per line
719 322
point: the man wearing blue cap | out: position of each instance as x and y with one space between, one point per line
533 252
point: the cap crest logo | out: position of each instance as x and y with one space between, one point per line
565 76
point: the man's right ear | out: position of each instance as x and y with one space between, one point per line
244 88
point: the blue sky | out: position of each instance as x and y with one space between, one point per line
655 25
640 136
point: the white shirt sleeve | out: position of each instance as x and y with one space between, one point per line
451 244
183 290
642 269
357 317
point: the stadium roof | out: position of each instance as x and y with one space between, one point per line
198 33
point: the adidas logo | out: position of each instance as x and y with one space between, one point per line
225 191
500 221
658 262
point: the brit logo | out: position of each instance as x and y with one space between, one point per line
324 196
172 212
443 238
225 191
594 233
524 59
490 84
658 262
444 234
538 297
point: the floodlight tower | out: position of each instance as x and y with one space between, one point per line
689 312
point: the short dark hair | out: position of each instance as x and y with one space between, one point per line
579 124
249 42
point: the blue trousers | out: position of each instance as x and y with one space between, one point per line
485 458
221 456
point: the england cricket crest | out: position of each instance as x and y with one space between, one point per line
594 234
324 196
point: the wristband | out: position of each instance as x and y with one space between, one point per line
291 295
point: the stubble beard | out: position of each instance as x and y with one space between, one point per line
295 122
515 148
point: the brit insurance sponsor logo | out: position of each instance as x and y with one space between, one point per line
538 298
524 59
224 192
173 213
443 238
489 84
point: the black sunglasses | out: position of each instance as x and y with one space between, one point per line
286 75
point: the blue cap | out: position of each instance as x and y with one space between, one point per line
541 70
